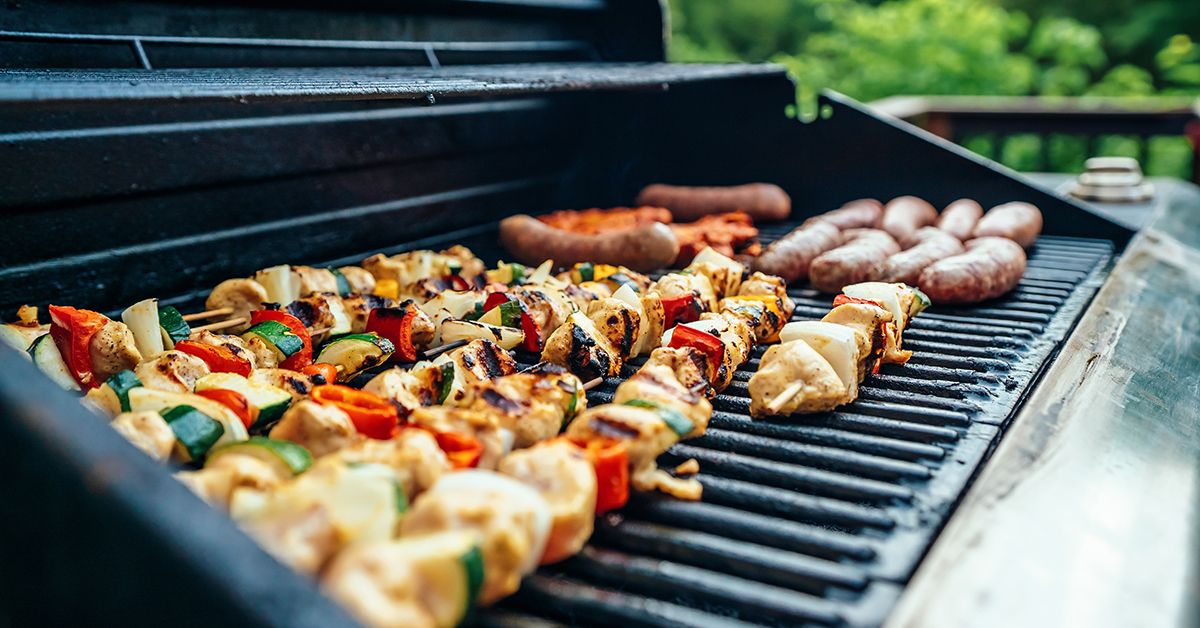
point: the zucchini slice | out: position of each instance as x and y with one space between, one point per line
271 401
121 384
143 399
343 286
288 458
454 561
355 353
279 337
506 337
174 328
143 320
672 417
507 314
49 360
195 432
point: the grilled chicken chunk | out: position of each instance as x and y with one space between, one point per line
413 455
321 310
482 360
243 295
582 349
361 281
512 519
760 284
794 366
699 286
646 436
469 265
320 429
296 384
315 280
218 479
688 364
407 390
235 344
735 335
656 382
147 431
532 406
580 296
380 586
548 310
113 350
764 319
171 371
303 540
485 426
618 321
867 321
724 274
559 470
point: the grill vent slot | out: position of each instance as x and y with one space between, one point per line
820 520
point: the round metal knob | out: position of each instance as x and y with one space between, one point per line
1112 180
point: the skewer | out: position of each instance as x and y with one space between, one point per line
224 311
318 331
233 322
788 393
533 368
436 351
593 383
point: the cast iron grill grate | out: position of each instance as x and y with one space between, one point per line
820 520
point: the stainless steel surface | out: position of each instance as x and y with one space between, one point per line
1087 513
1132 215
1112 180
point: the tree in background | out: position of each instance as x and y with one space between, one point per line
870 50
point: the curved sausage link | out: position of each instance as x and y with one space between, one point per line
861 214
644 249
853 262
789 257
989 268
904 215
765 202
959 218
1019 222
925 247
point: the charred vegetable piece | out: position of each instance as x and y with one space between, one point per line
195 432
355 353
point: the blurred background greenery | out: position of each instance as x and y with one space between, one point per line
870 50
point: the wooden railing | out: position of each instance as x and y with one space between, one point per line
980 122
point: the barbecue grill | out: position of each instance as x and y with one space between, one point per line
155 149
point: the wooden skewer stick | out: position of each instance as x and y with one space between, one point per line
533 368
436 351
594 383
224 311
317 331
785 396
233 322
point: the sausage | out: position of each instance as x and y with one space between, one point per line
925 247
959 218
989 268
903 216
1019 222
853 262
765 202
643 249
790 256
860 214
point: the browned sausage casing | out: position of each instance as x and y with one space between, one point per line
790 256
765 202
861 214
903 216
852 262
959 218
644 249
989 268
925 247
1019 222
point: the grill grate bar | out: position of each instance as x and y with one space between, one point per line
790 505
789 476
800 453
930 348
906 397
890 428
982 365
805 433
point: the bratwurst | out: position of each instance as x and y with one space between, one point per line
989 268
644 249
789 257
959 218
903 216
852 262
765 202
861 214
1019 222
925 247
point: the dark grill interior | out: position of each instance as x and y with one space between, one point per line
823 518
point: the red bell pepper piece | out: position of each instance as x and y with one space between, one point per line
301 358
680 309
842 299
371 414
532 331
395 324
706 343
463 450
326 371
235 401
456 283
611 461
72 331
218 359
